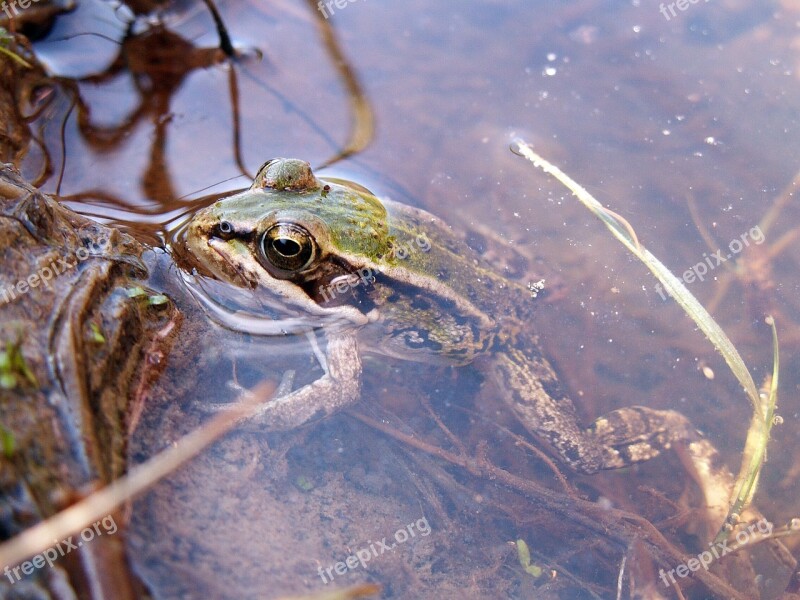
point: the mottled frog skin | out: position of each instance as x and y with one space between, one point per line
382 277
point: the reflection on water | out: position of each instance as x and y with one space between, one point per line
687 127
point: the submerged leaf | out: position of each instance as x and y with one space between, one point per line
157 300
97 334
524 555
7 442
8 381
13 366
136 292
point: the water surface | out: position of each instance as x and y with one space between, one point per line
687 127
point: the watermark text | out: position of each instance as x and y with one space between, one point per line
681 5
60 549
46 273
717 550
23 4
366 275
710 262
326 6
375 549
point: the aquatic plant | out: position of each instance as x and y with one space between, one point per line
755 450
5 40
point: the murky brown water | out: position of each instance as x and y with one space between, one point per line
649 114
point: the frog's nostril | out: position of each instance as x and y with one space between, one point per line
225 229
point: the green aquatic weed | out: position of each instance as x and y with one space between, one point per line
524 554
13 368
7 442
152 299
5 39
97 334
303 483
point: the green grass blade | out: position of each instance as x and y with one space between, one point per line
15 57
755 446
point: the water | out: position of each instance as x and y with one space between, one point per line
687 127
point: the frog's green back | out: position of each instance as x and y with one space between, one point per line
424 243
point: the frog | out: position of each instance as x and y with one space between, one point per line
376 276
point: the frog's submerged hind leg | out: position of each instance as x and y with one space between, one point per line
617 439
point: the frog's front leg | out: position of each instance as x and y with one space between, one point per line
339 387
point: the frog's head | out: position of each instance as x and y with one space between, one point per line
291 233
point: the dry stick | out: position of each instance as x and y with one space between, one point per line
520 441
616 525
225 42
101 503
704 233
787 193
450 435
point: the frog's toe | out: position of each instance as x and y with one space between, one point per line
637 433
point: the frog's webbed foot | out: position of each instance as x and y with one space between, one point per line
634 434
638 433
336 389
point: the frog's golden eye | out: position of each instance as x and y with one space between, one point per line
288 247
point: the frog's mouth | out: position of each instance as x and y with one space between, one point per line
319 293
344 287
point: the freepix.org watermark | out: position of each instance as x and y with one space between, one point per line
46 273
365 276
716 551
60 549
326 6
375 549
23 4
681 5
711 262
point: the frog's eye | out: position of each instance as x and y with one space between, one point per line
288 247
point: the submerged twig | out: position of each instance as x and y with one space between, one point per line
101 503
613 524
